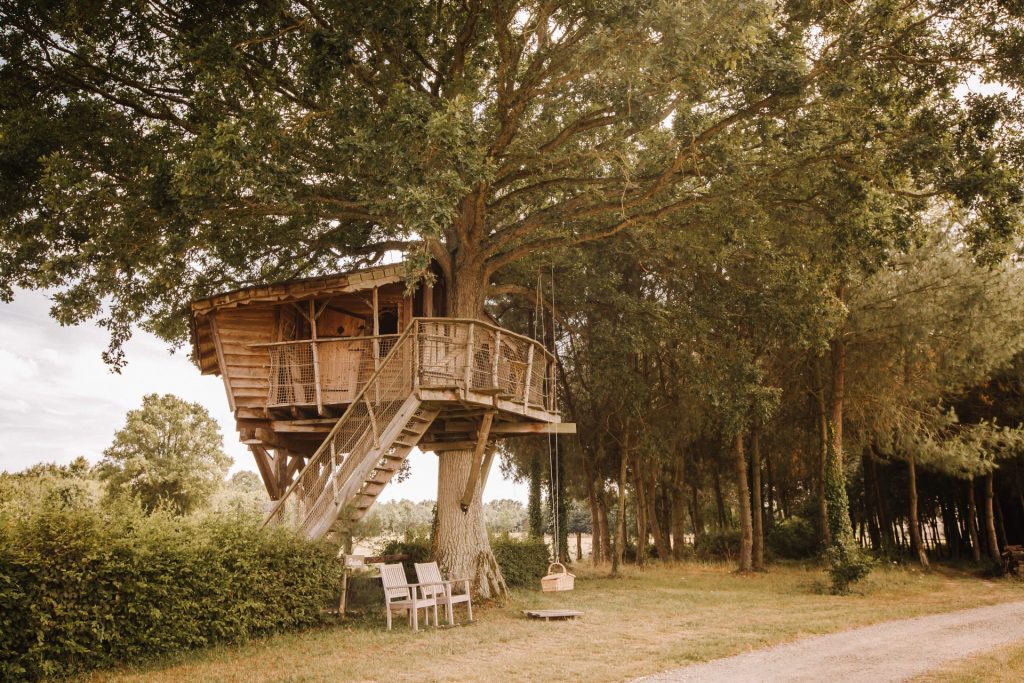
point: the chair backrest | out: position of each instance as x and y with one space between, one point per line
393 578
429 573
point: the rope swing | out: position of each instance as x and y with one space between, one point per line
558 578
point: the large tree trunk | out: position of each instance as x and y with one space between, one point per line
990 519
695 514
461 546
606 532
743 493
915 524
757 512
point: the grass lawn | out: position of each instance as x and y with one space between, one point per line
1005 665
644 622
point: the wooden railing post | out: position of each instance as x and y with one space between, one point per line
497 357
416 356
529 376
316 379
469 358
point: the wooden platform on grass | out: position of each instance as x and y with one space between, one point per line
549 614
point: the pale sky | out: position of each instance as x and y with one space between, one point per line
58 400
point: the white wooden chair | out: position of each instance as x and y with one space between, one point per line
429 576
398 592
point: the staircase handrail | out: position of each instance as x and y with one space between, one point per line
325 445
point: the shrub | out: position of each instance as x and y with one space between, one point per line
793 538
82 587
717 545
523 562
417 550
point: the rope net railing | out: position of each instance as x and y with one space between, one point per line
340 366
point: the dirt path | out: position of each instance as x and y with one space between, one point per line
890 651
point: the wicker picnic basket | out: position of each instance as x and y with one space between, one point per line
557 581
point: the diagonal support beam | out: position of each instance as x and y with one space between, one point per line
474 474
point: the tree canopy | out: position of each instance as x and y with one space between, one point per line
169 452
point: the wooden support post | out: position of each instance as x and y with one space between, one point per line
376 328
481 442
485 469
316 378
551 386
373 422
529 376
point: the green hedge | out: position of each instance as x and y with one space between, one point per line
523 563
85 587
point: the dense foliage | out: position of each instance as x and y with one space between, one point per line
169 452
84 586
523 561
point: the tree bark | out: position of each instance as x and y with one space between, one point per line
695 514
461 545
972 522
757 513
915 524
990 519
743 494
606 532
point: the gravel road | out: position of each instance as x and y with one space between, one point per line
890 651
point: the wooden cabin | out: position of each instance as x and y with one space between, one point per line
334 380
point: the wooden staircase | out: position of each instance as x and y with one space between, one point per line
362 452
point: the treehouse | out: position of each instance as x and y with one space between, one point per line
334 380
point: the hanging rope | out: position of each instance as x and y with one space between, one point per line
553 454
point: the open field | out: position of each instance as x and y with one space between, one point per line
644 622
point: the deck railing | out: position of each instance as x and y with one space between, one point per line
323 371
437 353
448 352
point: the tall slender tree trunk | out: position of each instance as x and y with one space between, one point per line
661 542
972 522
606 532
870 503
695 513
534 510
757 511
678 506
595 515
769 487
990 519
743 494
640 496
719 499
915 524
620 526
823 437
